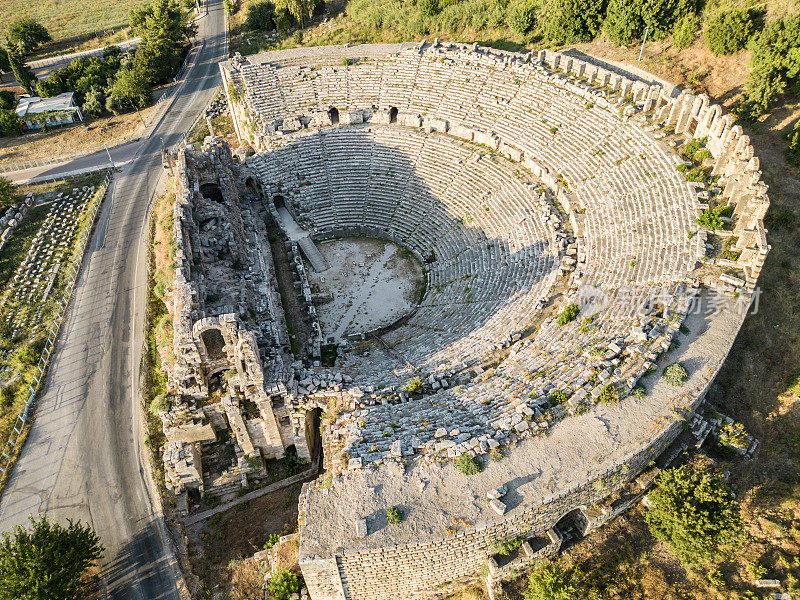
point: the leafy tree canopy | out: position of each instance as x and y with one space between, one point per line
627 20
793 152
728 31
572 21
553 582
22 73
164 28
693 513
46 562
7 192
130 90
27 33
260 16
522 16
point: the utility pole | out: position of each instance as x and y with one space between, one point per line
646 30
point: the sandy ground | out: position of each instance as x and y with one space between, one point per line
373 284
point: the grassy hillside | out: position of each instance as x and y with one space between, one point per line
69 18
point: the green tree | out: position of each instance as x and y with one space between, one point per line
685 31
7 192
793 151
260 16
5 66
47 562
130 90
522 16
728 31
9 122
572 21
553 582
27 33
164 29
692 511
22 73
301 10
8 99
623 21
775 66
626 20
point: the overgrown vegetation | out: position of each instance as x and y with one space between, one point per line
551 581
728 31
283 585
568 314
47 562
675 374
609 394
469 465
692 511
395 515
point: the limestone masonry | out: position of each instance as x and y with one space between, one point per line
522 183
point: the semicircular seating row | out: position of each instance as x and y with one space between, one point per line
473 211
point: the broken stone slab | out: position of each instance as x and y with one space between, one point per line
497 493
768 583
361 528
498 507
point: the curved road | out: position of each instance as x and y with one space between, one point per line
84 457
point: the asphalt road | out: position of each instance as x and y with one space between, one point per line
84 458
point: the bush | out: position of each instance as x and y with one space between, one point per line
609 394
685 31
8 100
728 31
568 314
9 123
774 66
507 547
623 21
558 397
522 16
693 513
130 90
469 465
675 374
572 21
553 582
283 584
395 515
710 219
160 402
429 8
793 151
273 539
260 16
413 386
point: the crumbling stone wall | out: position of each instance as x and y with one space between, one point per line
231 349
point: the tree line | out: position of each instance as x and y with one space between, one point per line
114 83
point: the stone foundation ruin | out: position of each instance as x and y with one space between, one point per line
522 183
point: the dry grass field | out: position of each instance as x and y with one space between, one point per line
69 18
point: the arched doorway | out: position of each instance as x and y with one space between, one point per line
333 114
279 202
572 526
393 114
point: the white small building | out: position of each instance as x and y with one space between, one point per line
58 110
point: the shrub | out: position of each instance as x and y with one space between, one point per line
733 434
395 515
7 193
8 99
9 123
639 391
283 584
260 16
773 64
522 16
568 314
469 465
609 394
728 31
429 8
558 397
793 151
160 402
675 374
710 219
693 513
507 547
273 539
572 21
553 582
623 21
685 31
413 386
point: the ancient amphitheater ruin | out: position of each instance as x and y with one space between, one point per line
496 189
